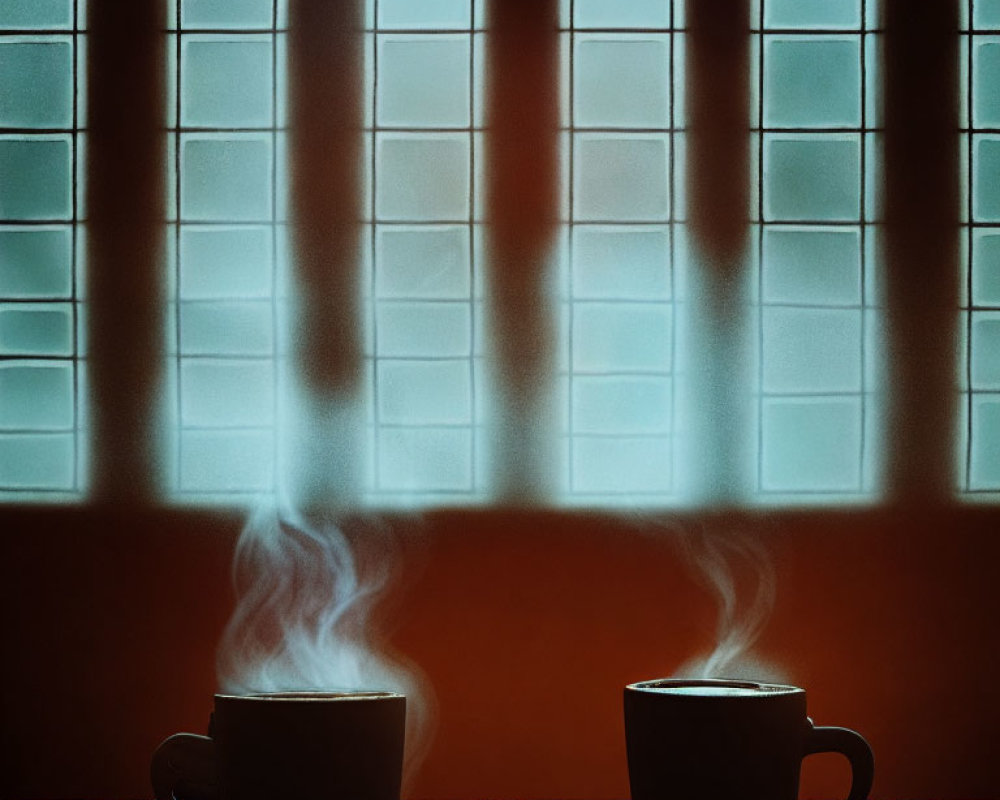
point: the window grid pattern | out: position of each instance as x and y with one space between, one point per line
620 255
980 375
818 322
41 151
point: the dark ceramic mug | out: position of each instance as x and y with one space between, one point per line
289 746
728 740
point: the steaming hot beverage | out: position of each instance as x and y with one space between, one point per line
289 746
728 740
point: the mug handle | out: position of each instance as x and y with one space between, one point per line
183 768
850 744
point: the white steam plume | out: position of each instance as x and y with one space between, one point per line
302 622
737 569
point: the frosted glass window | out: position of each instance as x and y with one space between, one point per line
422 178
812 13
616 14
423 81
26 14
985 350
424 329
45 101
35 395
227 393
610 465
622 82
226 13
812 82
812 178
812 265
227 328
620 262
986 74
986 13
621 178
226 82
221 262
425 14
43 461
811 445
425 460
986 268
35 178
622 405
611 337
811 350
36 330
986 189
35 262
423 262
226 461
226 178
424 392
985 467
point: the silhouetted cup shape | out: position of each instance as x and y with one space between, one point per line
728 740
289 746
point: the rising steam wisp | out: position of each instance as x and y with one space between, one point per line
305 593
737 569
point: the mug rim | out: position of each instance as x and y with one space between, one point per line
311 696
662 687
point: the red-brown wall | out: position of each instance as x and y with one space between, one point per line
527 625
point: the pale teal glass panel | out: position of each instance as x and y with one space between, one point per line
616 337
220 262
623 405
423 81
35 178
985 350
35 262
618 14
811 350
622 81
217 393
422 178
36 329
36 84
35 395
622 465
226 83
811 445
984 467
616 262
812 13
226 461
426 261
425 14
424 329
227 328
986 14
812 265
36 14
36 461
812 83
621 178
424 392
425 459
226 178
226 13
985 79
986 187
814 178
986 268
